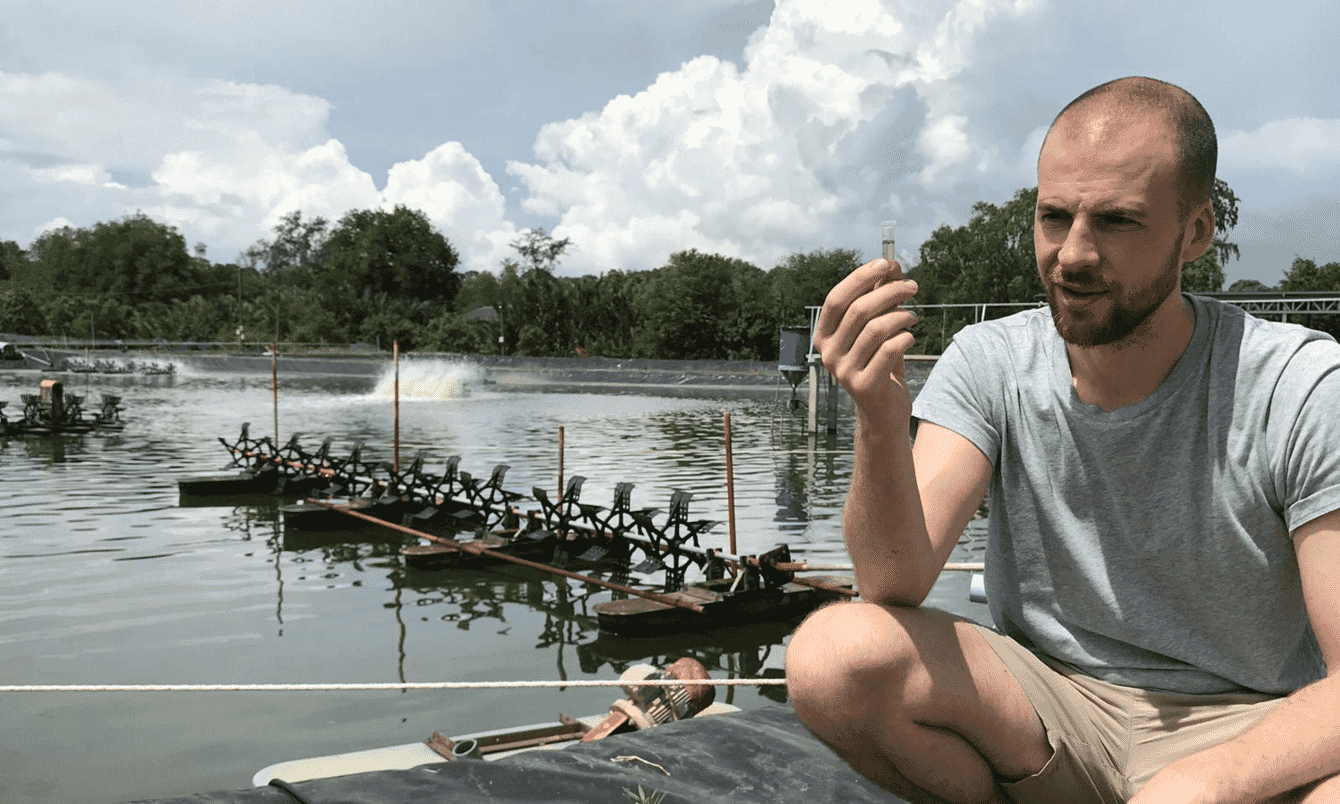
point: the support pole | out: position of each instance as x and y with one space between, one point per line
395 450
274 385
730 488
812 423
831 389
467 547
560 463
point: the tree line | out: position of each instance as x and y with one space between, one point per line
380 275
377 275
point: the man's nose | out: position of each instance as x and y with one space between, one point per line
1079 249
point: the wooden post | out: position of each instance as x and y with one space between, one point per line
560 463
274 386
831 389
395 449
812 424
730 488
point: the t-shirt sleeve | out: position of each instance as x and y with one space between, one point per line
1309 394
955 397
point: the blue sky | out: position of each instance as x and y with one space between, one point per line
636 129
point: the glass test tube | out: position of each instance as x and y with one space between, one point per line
887 230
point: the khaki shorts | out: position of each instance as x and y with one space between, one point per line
1108 740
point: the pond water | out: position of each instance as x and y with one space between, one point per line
105 578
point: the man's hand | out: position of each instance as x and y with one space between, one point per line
863 334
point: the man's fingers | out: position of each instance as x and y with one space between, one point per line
872 340
858 314
858 283
885 367
893 271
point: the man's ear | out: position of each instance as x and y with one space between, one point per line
1199 233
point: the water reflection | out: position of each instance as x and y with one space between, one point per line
106 576
469 599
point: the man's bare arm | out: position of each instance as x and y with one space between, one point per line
1298 743
906 508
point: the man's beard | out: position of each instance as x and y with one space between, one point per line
1128 312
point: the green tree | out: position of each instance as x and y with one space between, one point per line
604 312
388 320
478 289
1249 286
13 262
20 314
135 259
52 257
1225 204
100 317
451 332
1306 276
803 280
275 312
535 307
296 252
539 251
705 307
539 313
1203 274
398 255
991 259
60 312
196 319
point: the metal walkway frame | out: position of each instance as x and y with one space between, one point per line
1264 303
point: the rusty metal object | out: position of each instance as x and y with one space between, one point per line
647 706
469 548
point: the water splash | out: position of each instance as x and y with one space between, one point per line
434 378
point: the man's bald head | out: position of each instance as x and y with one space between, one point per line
1131 100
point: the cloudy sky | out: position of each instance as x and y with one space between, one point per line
636 129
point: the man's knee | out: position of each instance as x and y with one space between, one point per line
846 661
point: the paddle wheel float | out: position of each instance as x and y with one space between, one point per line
461 520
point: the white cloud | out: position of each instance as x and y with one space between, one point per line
86 175
54 223
1303 147
460 198
241 189
225 161
789 153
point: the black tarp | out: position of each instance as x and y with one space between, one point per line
765 755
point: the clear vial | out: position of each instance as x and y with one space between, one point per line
887 232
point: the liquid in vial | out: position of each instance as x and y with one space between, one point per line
887 231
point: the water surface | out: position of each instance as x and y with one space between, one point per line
106 579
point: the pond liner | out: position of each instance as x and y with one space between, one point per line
746 757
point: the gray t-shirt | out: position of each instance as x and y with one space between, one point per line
1149 545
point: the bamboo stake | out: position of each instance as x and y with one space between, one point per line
395 450
730 488
466 547
803 566
560 463
274 385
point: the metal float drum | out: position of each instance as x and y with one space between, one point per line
53 398
795 348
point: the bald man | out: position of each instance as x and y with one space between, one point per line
1163 474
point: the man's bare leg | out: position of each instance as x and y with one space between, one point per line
915 700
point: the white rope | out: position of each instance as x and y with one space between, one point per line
405 685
